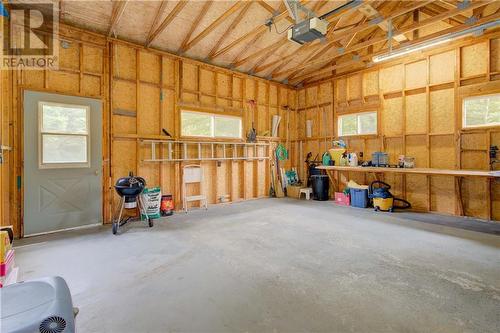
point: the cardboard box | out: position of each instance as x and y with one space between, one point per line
293 191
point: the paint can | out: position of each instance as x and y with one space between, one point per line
167 205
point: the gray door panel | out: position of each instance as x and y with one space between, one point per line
61 198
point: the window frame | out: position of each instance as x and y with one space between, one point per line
463 118
357 114
213 117
41 133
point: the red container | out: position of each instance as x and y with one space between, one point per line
6 266
342 199
167 205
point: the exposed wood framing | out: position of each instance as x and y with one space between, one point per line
166 21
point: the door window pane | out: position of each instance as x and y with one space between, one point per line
196 124
64 135
64 148
64 119
229 127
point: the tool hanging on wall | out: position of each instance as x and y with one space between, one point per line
252 134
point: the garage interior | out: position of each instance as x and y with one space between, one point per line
255 166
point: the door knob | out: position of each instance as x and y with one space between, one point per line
96 172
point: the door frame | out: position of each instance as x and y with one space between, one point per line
105 145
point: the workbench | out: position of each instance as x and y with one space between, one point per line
458 174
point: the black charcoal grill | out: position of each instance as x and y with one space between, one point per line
129 189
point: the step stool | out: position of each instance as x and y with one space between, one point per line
307 191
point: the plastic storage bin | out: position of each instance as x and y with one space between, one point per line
380 159
359 197
341 199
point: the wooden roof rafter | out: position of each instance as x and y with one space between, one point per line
259 29
410 28
417 41
159 12
218 21
303 47
233 25
196 23
116 15
166 21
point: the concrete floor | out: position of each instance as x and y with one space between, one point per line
276 265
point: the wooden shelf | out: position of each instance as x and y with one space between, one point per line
421 171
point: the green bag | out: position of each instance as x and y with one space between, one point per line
151 198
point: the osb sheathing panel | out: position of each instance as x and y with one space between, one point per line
189 76
149 67
394 147
311 96
495 200
207 81
443 194
474 59
442 152
92 59
370 83
416 146
341 95
91 86
63 82
125 62
148 113
325 92
69 57
417 191
391 79
442 67
33 79
416 74
168 69
473 191
354 86
475 141
392 116
474 160
495 55
442 111
416 114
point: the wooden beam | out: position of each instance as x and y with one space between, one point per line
116 15
213 25
166 21
423 39
372 13
258 30
233 25
265 50
158 14
247 47
196 23
411 28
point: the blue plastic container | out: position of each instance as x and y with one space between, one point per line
359 197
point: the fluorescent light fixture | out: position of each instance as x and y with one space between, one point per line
433 42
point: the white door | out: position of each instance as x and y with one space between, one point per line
62 162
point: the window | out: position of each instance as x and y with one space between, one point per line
358 124
481 111
63 135
210 125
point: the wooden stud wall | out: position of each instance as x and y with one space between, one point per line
142 92
419 100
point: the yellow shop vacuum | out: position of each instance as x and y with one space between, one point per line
383 200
